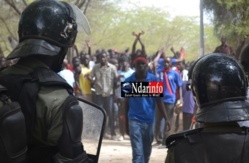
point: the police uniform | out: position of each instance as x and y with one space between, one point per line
53 118
219 85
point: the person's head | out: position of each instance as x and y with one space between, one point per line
114 61
124 63
219 86
180 66
85 59
102 57
223 40
111 52
47 28
244 59
138 52
141 64
75 62
167 63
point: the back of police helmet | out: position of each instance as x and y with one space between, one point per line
219 86
46 26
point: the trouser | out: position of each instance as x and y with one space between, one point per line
121 117
187 119
107 104
141 136
159 117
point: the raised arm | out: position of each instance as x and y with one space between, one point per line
141 43
134 43
159 54
88 44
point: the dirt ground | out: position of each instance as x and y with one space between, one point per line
120 152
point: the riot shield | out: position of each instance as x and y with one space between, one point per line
94 119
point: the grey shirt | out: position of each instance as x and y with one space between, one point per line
104 79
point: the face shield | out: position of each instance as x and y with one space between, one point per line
79 17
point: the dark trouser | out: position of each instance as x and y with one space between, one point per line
107 104
121 117
187 119
159 117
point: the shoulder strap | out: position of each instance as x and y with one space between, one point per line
47 77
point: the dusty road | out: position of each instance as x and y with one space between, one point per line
120 152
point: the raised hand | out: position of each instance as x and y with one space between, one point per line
134 34
141 33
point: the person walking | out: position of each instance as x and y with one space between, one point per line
140 113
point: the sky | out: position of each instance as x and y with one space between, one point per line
174 7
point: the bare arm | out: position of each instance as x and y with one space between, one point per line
173 50
141 43
159 54
88 44
134 43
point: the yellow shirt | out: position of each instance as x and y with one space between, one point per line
85 83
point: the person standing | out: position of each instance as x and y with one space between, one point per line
140 112
105 75
125 71
67 74
171 84
47 28
224 47
84 82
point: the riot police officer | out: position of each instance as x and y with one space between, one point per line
47 29
219 86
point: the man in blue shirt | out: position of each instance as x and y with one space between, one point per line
171 84
140 114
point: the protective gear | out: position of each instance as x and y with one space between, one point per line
24 89
70 145
52 26
13 146
219 86
207 145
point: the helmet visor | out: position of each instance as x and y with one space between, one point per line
80 19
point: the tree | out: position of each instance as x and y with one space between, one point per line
230 18
9 16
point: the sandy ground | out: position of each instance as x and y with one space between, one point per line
120 152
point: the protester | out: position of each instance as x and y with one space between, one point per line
105 75
140 114
224 47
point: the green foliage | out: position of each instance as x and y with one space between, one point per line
230 18
112 28
112 25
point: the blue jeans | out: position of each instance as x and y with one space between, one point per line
141 137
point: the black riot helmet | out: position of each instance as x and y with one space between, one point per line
47 27
219 86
